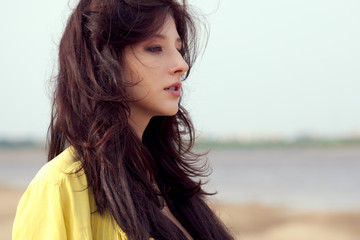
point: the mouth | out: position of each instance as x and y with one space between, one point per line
174 87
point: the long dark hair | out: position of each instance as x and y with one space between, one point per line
90 112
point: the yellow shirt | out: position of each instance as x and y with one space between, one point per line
57 205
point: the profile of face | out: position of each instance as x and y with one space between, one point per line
155 67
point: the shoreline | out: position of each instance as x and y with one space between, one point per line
246 221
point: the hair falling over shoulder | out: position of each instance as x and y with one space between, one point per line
90 112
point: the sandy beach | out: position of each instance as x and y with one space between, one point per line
256 222
246 222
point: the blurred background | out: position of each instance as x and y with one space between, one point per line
275 96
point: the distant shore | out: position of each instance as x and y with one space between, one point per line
227 143
245 221
277 143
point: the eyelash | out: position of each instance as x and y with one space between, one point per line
157 49
154 49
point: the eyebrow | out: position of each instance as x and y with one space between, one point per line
164 37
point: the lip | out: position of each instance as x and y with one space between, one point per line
175 92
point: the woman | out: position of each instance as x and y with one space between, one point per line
119 165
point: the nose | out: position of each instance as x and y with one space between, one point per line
179 66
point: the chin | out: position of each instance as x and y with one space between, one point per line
170 112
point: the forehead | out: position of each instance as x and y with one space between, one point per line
168 29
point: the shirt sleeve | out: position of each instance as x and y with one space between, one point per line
59 205
55 206
39 213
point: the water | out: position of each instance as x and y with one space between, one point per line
19 166
325 178
310 178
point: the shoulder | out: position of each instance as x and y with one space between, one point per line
63 168
56 205
60 180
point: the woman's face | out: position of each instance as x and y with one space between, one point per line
156 66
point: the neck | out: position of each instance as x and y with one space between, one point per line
138 124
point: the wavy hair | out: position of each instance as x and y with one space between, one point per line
90 112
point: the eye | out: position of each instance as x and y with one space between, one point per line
180 49
154 49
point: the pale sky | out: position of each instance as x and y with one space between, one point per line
271 68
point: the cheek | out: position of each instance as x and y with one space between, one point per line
143 87
134 82
139 92
147 83
144 76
